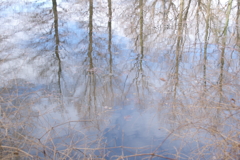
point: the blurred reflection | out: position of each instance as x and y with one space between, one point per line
144 74
55 13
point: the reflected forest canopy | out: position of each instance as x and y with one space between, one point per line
120 79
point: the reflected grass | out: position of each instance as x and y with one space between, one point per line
208 130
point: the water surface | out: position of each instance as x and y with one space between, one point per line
120 79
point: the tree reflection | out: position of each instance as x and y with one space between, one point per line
55 13
206 37
111 73
115 60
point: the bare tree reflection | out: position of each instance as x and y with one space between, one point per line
172 59
206 37
55 13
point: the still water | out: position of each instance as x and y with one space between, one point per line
120 79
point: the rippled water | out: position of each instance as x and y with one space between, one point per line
120 79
